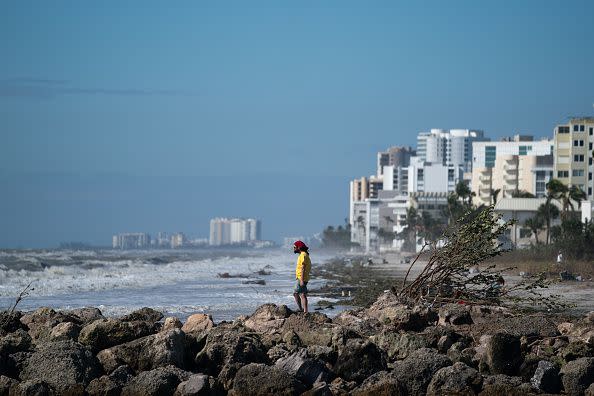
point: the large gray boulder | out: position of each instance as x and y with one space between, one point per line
458 379
501 384
358 360
577 375
303 368
156 382
381 383
41 321
112 384
196 385
105 333
5 384
454 314
145 314
387 309
417 370
399 345
10 322
503 354
39 388
85 315
268 318
64 365
17 341
65 331
311 328
546 377
227 350
147 353
258 379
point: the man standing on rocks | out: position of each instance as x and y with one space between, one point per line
301 274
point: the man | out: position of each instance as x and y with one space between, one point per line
301 274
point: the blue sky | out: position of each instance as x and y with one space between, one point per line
134 116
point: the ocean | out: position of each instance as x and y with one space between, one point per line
223 283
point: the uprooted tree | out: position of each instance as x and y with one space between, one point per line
456 269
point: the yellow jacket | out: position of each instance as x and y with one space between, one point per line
303 267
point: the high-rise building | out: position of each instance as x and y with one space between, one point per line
178 240
513 165
225 231
394 156
449 146
131 241
573 153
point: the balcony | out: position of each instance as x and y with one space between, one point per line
510 168
485 178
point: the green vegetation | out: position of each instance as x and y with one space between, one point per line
339 237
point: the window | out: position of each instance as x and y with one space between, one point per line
591 131
577 172
590 176
564 129
578 158
490 154
582 128
525 232
420 174
589 190
590 161
450 175
562 174
575 128
590 146
577 143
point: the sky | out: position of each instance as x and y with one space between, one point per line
130 116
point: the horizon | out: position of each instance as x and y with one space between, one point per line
128 118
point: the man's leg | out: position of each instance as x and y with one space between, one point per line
298 301
304 301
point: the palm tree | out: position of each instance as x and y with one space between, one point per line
522 194
494 194
463 191
577 194
548 212
535 224
361 226
411 224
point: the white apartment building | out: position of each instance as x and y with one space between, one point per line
510 166
422 176
574 154
394 156
449 146
135 240
225 231
178 240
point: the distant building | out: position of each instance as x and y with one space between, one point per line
449 146
573 153
163 239
226 231
131 241
394 156
511 166
178 240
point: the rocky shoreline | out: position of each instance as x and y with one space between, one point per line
386 349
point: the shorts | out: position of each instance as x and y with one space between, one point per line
300 289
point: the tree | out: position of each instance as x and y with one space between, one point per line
464 193
493 195
409 233
522 194
339 237
534 224
548 212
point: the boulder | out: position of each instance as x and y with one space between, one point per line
341 387
590 390
227 350
65 331
85 315
487 313
147 353
458 379
503 354
17 341
417 370
112 384
145 314
398 345
64 365
575 350
196 385
381 383
268 318
319 389
105 333
279 351
500 384
171 322
10 322
156 382
390 311
357 321
257 379
197 323
577 375
454 314
546 377
325 354
38 388
581 330
358 360
526 325
41 321
6 383
311 328
303 368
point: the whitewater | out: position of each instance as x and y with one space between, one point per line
178 283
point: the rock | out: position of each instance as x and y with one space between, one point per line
546 377
37 388
105 333
65 331
145 314
17 341
389 310
341 387
14 363
6 383
400 345
582 330
303 368
42 321
319 389
64 365
357 321
503 354
147 353
454 314
85 315
577 349
110 385
196 385
171 322
417 370
227 350
291 339
279 351
311 328
325 354
259 379
458 379
197 323
526 325
577 375
358 360
500 384
445 342
10 322
381 383
156 382
486 313
590 390
268 318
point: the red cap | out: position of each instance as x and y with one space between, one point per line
300 245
